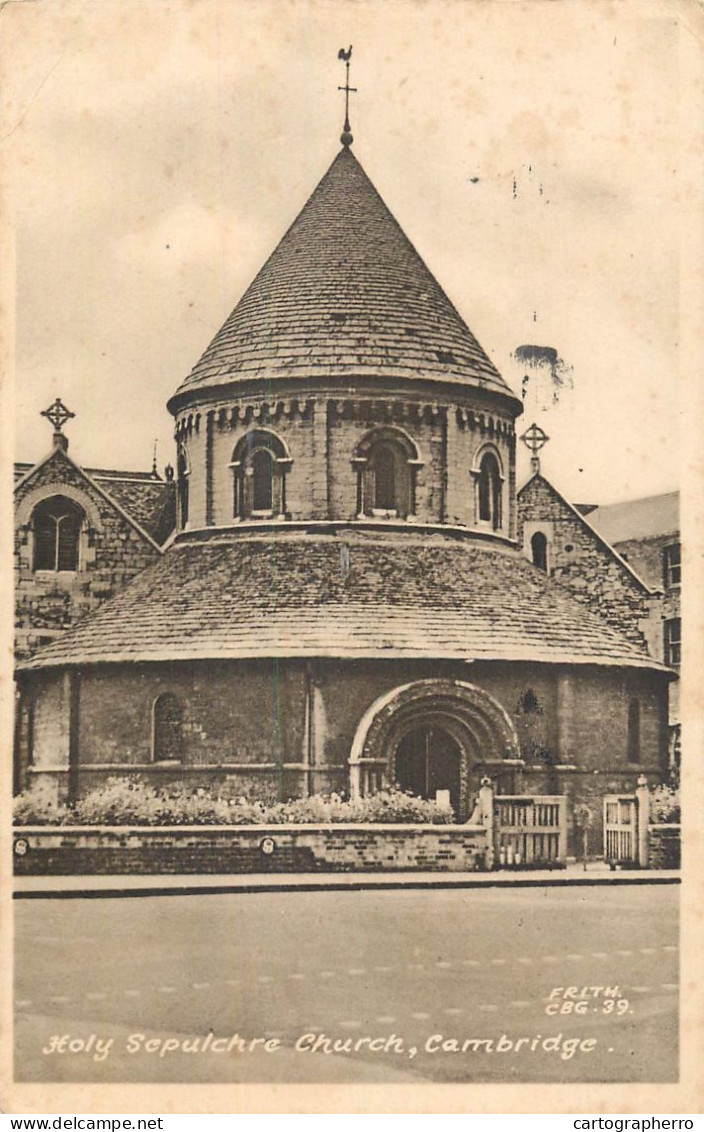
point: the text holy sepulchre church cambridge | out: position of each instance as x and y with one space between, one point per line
339 586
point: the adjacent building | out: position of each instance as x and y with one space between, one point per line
621 560
646 534
80 535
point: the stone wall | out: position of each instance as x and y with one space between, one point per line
646 557
61 851
188 850
322 434
272 730
112 551
260 714
664 846
579 560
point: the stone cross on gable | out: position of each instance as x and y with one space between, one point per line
346 136
58 414
534 439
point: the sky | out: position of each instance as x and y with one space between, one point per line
534 153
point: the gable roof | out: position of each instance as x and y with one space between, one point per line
344 295
150 502
21 468
145 501
298 594
587 524
653 516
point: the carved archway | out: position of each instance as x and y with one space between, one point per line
475 721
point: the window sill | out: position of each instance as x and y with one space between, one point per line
56 573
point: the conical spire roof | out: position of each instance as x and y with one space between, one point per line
344 296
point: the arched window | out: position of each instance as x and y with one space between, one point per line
539 550
386 462
260 463
166 729
182 489
634 731
390 488
489 487
56 524
262 480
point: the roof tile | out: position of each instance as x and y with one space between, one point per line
345 292
293 594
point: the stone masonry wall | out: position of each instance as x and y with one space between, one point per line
646 558
579 561
280 729
322 434
112 551
664 846
250 849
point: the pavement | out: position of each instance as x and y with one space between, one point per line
575 874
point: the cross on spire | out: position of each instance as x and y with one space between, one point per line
58 414
534 439
346 136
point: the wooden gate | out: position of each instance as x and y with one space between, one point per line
620 829
530 832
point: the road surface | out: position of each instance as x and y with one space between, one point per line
447 985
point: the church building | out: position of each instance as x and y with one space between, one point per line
347 602
80 534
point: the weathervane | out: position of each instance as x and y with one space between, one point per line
58 414
346 136
534 439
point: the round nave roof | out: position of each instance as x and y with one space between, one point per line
342 593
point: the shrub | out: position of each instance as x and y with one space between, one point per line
664 805
130 801
119 801
39 806
394 805
583 816
390 805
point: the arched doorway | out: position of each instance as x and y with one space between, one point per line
435 735
428 761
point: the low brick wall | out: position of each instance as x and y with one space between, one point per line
71 850
664 846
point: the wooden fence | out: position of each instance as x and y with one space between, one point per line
530 831
626 819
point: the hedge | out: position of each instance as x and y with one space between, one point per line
130 801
